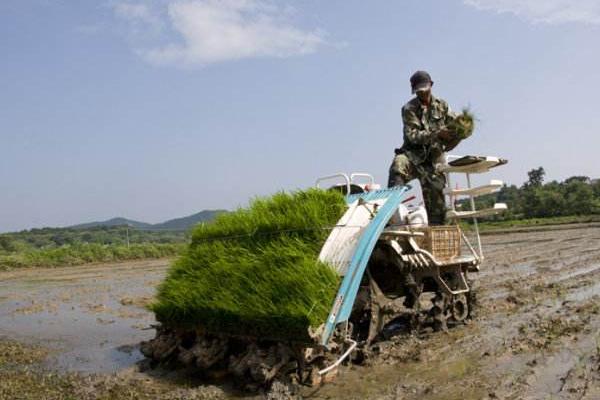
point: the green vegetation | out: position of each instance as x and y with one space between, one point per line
256 270
52 247
113 235
576 199
78 254
463 125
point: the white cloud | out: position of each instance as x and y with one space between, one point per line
212 31
136 12
545 11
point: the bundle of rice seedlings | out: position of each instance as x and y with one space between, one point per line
255 271
463 125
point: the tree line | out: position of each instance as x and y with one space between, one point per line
46 238
52 247
575 196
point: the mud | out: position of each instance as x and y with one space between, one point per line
85 314
536 334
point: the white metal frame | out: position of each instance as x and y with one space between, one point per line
348 179
471 192
452 198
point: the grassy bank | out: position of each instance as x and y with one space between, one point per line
84 253
255 271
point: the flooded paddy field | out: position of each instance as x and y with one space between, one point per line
74 333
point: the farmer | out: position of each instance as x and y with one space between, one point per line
426 138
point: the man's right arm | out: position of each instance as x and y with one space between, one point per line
413 132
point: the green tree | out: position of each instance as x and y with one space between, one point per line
578 178
6 243
536 177
551 202
579 198
596 188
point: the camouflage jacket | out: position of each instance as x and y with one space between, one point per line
421 125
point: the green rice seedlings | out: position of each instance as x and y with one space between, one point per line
255 271
463 125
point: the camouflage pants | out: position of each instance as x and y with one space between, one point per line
432 182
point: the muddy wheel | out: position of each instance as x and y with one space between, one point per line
459 308
416 318
471 299
438 313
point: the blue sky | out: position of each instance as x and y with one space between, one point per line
161 108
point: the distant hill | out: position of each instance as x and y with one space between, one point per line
114 222
177 224
185 223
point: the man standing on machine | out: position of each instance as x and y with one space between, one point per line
426 137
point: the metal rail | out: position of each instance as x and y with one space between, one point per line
338 175
342 357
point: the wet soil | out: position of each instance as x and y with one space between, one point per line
92 316
536 334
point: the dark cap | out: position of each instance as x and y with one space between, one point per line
420 80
